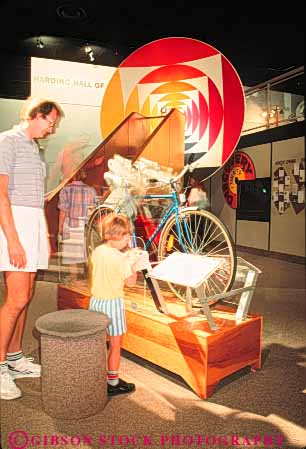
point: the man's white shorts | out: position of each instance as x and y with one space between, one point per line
31 227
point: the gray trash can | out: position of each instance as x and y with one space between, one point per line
73 359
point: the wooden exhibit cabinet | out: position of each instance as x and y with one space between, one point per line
180 342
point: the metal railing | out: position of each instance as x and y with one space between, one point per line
272 103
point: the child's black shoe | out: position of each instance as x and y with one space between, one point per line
121 388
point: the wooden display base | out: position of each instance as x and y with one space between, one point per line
180 342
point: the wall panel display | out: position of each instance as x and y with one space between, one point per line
289 185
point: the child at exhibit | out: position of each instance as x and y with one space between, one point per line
112 268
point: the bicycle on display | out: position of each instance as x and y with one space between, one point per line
180 228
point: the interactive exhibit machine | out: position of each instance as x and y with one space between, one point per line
189 312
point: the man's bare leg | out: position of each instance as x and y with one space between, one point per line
16 340
19 287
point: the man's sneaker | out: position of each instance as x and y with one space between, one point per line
24 367
121 388
8 388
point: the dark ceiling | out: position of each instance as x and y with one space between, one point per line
261 43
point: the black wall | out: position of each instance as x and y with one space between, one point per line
15 76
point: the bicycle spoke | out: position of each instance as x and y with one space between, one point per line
200 233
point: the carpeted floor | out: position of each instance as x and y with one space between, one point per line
262 409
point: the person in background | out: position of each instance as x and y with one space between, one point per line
111 269
76 201
23 233
197 195
67 160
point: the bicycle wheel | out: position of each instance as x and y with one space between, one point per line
93 228
201 233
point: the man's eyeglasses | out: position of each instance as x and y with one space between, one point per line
51 122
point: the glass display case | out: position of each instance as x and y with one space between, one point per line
202 331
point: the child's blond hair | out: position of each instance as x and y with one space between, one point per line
115 226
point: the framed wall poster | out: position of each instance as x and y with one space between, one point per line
288 185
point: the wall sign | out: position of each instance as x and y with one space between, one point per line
69 82
239 167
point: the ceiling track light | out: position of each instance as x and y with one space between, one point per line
89 51
39 43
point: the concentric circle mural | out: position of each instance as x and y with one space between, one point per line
240 167
188 75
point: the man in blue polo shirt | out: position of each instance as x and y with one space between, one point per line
23 232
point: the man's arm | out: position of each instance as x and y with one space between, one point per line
16 252
63 206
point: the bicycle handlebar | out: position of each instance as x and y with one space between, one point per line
119 181
188 167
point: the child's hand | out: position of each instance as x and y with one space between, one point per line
143 262
139 259
131 255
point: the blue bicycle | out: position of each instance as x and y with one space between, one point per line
179 228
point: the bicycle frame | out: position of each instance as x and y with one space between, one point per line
173 209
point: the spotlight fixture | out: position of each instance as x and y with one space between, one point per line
39 43
89 51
